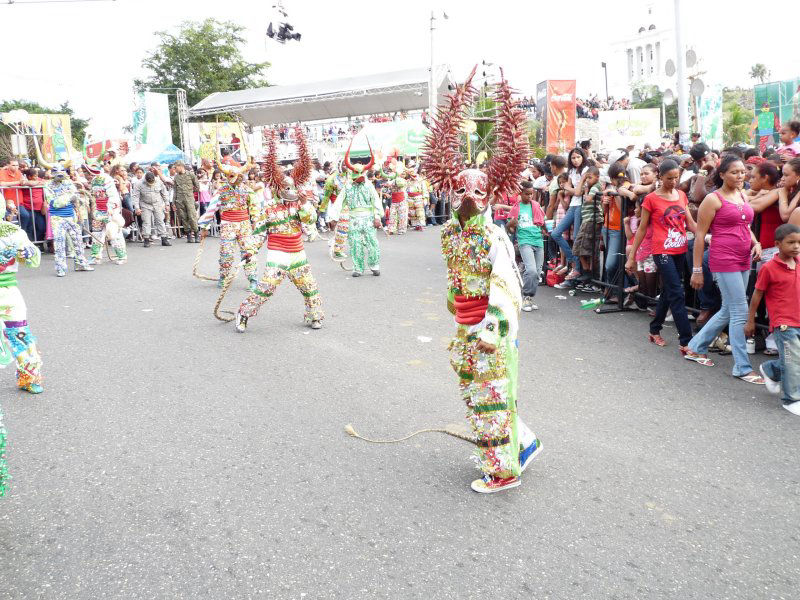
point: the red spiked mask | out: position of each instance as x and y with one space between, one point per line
471 184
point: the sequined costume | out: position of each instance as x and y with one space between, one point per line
364 209
287 208
483 285
398 208
239 208
16 248
418 195
107 221
62 198
484 295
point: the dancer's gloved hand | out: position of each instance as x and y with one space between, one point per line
482 346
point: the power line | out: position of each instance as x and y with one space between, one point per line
54 1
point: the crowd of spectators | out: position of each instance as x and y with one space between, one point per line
683 233
591 108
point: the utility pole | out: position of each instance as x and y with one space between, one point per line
431 91
680 57
605 69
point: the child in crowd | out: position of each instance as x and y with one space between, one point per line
588 239
526 219
779 282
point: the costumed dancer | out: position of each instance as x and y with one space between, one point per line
238 208
484 285
361 205
16 248
398 209
287 208
417 195
107 220
334 185
63 201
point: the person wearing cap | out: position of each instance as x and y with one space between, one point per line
107 220
61 196
186 185
149 199
633 165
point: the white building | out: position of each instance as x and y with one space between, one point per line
647 41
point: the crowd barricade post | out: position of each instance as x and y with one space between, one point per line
18 198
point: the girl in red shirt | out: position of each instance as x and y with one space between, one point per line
666 209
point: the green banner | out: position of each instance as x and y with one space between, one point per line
775 104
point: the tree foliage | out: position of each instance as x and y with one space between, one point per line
736 123
759 71
77 125
202 58
655 101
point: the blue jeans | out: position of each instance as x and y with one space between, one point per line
30 219
786 368
612 239
533 257
732 314
671 267
708 296
571 219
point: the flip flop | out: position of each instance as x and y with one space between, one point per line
752 378
700 359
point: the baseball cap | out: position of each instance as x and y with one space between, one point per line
684 157
699 151
616 155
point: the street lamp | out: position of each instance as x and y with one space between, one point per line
605 68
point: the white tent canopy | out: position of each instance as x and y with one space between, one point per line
353 96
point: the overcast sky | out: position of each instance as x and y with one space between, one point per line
89 53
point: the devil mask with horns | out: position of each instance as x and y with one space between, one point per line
444 166
357 171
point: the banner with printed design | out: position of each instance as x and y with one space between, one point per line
621 128
560 117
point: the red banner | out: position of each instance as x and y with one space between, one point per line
560 116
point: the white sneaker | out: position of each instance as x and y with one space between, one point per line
793 408
241 323
773 387
534 307
527 305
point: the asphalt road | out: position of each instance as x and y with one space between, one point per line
170 457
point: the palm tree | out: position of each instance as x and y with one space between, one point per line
759 71
736 123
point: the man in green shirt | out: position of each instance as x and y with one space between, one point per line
186 185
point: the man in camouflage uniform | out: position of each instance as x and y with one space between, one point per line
186 185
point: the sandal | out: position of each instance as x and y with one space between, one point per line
700 359
771 352
657 340
752 378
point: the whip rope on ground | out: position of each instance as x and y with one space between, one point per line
451 430
226 316
196 264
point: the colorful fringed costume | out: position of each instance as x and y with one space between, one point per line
484 289
238 209
362 206
398 209
285 211
107 219
418 195
16 248
62 198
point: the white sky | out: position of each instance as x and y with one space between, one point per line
89 53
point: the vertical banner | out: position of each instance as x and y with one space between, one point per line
710 109
560 115
151 123
541 112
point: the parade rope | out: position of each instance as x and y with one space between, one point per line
218 313
197 262
449 430
106 243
